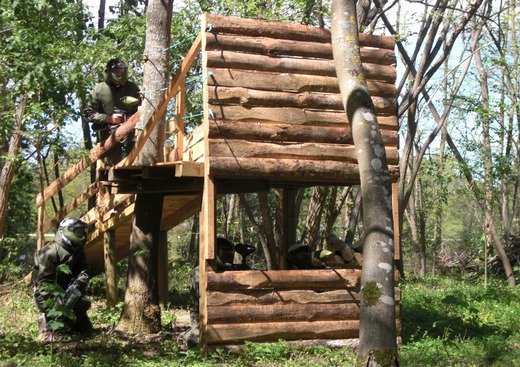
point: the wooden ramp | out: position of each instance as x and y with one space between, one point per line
272 118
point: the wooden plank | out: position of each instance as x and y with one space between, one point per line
272 331
278 81
284 279
300 296
290 169
280 47
284 313
352 343
278 131
326 101
237 148
189 208
258 28
229 59
279 312
293 115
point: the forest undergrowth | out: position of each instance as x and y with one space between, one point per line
445 322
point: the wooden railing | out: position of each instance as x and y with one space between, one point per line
102 211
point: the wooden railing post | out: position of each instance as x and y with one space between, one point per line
180 100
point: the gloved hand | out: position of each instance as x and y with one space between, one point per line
82 281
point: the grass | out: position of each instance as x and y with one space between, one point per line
446 322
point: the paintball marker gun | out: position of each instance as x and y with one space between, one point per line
129 103
73 292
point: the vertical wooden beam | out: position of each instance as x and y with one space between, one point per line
109 247
163 269
207 215
397 233
180 101
41 219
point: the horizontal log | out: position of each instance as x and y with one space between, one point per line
277 81
273 331
259 28
293 115
298 296
282 313
266 131
293 170
263 297
229 59
352 343
261 98
279 47
236 148
284 279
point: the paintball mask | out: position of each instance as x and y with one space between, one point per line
73 231
117 71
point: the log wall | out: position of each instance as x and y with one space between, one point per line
273 111
276 109
264 306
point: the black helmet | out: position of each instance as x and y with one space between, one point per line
73 231
117 71
225 251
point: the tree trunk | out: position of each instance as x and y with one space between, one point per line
9 168
311 233
377 334
141 310
352 224
487 201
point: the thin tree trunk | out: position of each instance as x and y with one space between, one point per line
377 330
269 256
487 202
9 168
311 233
354 217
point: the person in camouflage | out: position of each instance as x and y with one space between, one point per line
62 262
108 107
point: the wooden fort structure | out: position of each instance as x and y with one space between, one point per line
272 118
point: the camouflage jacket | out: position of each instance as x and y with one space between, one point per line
105 97
46 262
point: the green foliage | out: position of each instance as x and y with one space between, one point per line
446 322
450 323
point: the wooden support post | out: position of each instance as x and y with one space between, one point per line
207 231
180 101
109 243
206 251
397 233
41 219
163 269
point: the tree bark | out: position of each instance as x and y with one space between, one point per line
9 168
311 233
141 310
377 335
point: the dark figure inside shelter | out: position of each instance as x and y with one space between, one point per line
60 282
111 103
225 262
